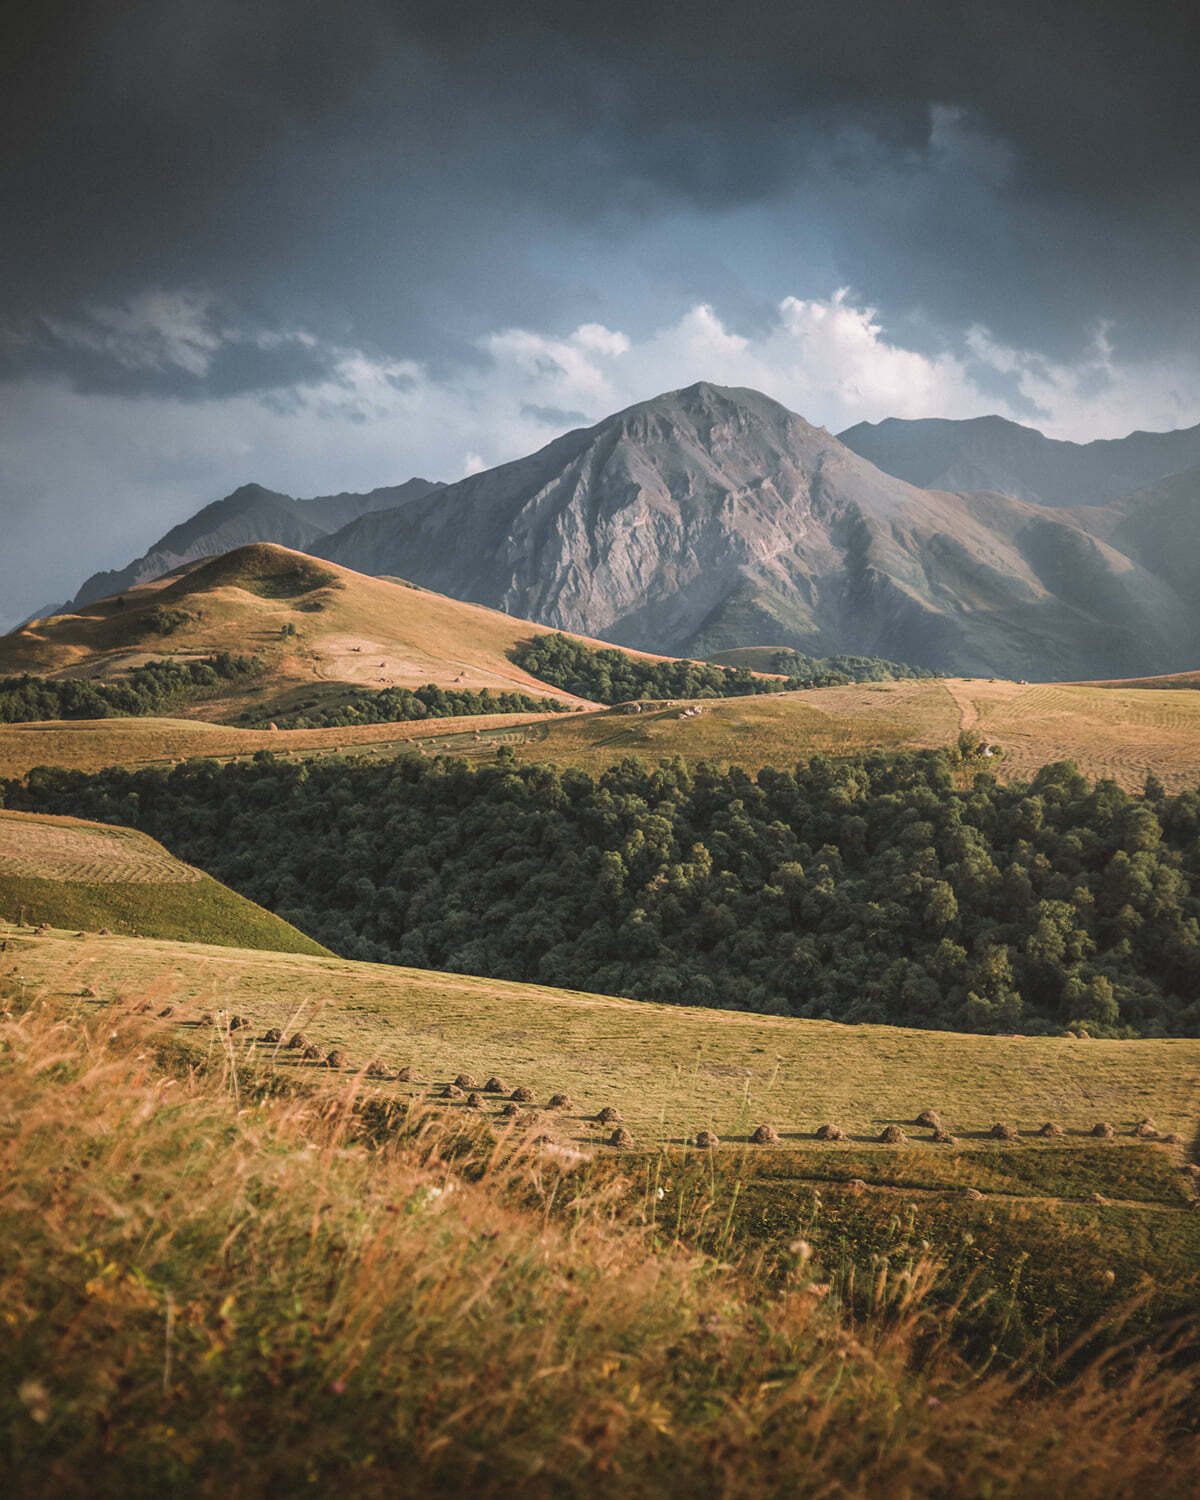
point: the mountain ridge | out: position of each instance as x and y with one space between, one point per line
713 517
251 513
992 453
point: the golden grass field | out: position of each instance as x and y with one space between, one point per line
92 744
1108 732
778 729
669 1070
43 846
1114 732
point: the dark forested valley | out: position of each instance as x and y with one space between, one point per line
879 890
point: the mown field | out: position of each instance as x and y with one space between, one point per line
82 875
1123 733
670 1070
1040 1237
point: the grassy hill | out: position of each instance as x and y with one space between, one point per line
348 629
671 1070
73 874
1170 680
1009 1217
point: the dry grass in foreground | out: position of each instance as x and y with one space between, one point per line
208 1289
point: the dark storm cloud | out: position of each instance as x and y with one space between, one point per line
406 176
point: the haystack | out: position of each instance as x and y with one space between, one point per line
1103 1130
765 1135
1001 1132
830 1133
707 1139
620 1137
891 1135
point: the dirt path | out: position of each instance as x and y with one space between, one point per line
968 709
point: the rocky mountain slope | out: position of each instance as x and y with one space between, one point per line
250 514
990 453
711 517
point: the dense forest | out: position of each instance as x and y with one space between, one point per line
817 671
145 690
878 890
612 676
395 705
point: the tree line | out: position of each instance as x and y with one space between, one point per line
875 890
146 689
612 676
395 705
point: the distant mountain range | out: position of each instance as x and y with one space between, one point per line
989 453
711 518
250 514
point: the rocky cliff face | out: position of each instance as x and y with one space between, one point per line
711 517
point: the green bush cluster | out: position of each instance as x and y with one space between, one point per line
875 890
612 676
146 690
398 705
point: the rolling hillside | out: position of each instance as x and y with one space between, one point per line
1119 730
217 1265
68 873
669 1070
343 628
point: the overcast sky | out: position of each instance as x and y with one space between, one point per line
328 246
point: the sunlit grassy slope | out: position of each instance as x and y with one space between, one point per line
74 874
1170 680
669 1070
1118 732
777 729
90 744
